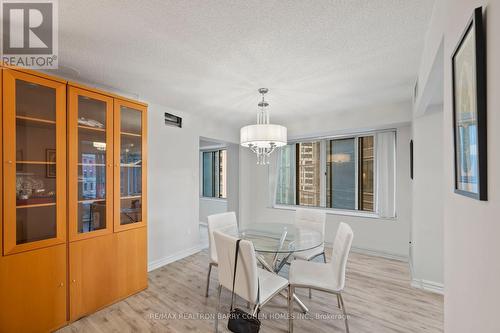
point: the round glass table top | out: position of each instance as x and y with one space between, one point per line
280 237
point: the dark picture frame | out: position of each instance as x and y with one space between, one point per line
50 158
469 110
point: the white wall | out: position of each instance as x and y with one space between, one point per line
427 126
427 198
233 177
383 236
432 45
376 117
209 206
173 182
471 227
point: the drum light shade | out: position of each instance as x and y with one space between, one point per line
263 136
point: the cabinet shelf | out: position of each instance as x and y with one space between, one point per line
97 129
91 200
92 164
131 197
129 165
38 120
35 162
130 134
36 205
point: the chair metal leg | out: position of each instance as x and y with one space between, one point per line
218 309
208 278
344 312
338 301
324 257
290 309
300 303
255 310
310 293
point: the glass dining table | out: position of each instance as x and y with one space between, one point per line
280 241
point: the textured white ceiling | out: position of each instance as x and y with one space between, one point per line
210 56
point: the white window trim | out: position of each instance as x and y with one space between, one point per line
213 199
322 170
339 212
356 173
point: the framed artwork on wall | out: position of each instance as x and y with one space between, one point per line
469 110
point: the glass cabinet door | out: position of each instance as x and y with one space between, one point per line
90 160
130 165
34 145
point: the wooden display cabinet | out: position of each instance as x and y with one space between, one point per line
90 160
33 268
105 266
73 235
34 175
130 165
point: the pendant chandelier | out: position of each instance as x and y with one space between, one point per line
263 138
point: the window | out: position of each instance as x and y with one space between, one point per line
285 190
308 180
339 173
366 179
214 174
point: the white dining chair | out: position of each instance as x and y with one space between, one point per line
311 219
255 285
329 277
225 222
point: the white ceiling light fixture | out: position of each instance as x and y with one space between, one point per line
263 138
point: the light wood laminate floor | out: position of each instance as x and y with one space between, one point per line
378 299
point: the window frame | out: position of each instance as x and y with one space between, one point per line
347 212
375 171
298 172
214 178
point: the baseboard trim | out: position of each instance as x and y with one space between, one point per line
434 287
174 257
381 254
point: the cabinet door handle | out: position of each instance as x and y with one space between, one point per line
61 284
73 281
10 162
